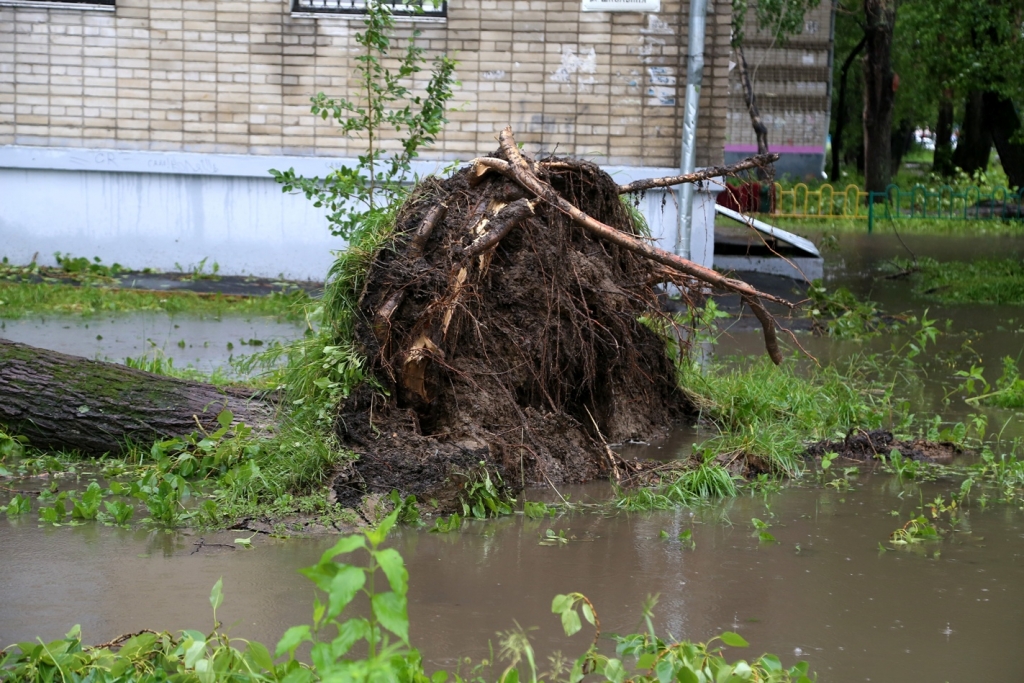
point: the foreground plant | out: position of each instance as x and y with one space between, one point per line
374 645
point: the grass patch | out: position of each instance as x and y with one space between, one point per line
773 412
904 226
976 282
18 300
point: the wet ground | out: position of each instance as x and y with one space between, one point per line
823 591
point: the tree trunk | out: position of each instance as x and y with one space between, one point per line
902 140
943 163
974 145
1002 122
879 93
67 402
760 130
837 139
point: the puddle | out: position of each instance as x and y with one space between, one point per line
204 343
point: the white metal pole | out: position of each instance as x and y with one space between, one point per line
688 151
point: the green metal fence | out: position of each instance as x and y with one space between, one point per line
969 203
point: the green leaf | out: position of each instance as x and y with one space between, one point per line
686 675
377 535
664 671
560 603
733 639
260 655
292 638
571 622
646 660
349 632
224 418
393 565
390 610
194 652
216 595
588 613
345 545
614 671
344 586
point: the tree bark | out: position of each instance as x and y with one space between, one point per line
879 93
67 402
902 139
1002 122
837 139
760 130
974 145
943 163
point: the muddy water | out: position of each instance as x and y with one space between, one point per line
824 592
204 343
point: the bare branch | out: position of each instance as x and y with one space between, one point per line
704 174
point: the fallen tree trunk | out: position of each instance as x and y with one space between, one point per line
67 402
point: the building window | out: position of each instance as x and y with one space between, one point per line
62 4
425 9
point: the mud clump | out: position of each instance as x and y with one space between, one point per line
500 334
864 446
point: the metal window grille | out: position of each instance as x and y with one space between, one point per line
409 8
106 3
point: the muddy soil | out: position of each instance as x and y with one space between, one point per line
863 446
524 359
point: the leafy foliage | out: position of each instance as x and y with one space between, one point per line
352 195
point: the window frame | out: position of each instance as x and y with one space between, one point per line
348 9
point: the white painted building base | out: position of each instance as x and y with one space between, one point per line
170 210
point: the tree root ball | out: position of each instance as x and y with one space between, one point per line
500 332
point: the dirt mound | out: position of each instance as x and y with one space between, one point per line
864 446
525 356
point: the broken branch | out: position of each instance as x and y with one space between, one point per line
704 174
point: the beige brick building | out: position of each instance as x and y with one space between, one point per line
209 87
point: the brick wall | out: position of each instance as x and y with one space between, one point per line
236 77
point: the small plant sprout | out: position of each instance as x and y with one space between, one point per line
761 530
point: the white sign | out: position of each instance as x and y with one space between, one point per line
621 5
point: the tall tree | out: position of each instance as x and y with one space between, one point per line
972 51
880 85
841 113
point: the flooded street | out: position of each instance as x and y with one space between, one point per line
829 590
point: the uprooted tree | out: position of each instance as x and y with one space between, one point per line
506 326
512 319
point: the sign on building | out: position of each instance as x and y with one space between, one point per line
621 5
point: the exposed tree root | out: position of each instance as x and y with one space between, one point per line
507 331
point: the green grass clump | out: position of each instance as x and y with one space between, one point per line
979 282
706 482
20 299
772 412
319 370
